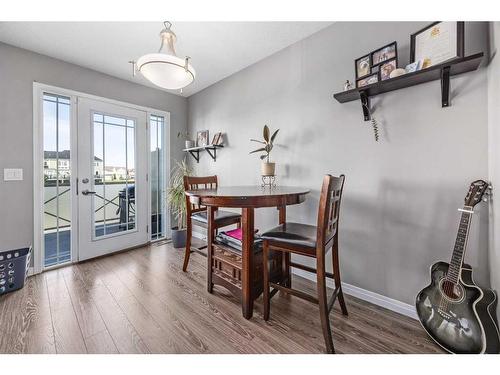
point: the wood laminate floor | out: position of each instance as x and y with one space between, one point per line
140 301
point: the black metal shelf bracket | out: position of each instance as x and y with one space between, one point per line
195 156
214 155
445 86
365 104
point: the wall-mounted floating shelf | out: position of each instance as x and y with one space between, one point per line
210 149
441 71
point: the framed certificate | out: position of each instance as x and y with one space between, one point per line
437 43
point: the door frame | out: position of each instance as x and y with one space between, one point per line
38 200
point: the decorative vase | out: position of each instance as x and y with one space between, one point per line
267 169
178 237
189 144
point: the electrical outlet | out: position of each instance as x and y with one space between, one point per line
12 174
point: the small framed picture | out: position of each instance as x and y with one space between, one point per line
386 68
373 78
362 66
385 53
202 138
218 139
437 43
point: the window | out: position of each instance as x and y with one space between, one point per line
157 176
57 179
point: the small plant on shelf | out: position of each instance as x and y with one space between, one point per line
267 167
189 143
176 199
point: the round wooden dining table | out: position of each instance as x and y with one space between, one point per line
248 198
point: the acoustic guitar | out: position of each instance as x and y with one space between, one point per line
456 313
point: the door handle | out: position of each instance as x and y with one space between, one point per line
87 192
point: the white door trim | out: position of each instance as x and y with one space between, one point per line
38 90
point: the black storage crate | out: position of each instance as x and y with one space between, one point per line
14 265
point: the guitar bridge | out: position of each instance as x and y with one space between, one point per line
444 314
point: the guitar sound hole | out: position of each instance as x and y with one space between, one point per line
452 291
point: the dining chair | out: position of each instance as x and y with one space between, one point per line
311 241
197 215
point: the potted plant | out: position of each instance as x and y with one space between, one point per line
267 168
189 143
177 202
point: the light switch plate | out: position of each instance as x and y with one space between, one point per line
12 174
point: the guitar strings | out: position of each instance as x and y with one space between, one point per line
449 285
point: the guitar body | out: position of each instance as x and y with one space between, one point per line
459 317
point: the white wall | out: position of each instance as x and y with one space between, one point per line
399 212
18 69
494 154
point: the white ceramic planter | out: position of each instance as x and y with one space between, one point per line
189 144
267 169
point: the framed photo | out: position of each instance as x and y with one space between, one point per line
202 138
372 78
437 43
218 139
386 68
362 67
385 53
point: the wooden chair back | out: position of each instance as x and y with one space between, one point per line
329 211
198 183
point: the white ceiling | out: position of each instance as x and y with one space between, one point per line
217 49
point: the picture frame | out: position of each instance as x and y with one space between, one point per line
202 138
386 68
442 40
383 54
217 139
368 80
362 66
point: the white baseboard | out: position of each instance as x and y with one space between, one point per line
366 295
31 271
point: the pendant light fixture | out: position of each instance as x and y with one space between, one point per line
165 69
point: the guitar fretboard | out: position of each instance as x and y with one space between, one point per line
460 244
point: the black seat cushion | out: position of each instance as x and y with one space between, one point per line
219 215
293 234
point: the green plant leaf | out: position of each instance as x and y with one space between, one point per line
258 150
256 140
262 157
274 135
266 133
175 193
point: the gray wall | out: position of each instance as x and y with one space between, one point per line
494 149
399 212
18 69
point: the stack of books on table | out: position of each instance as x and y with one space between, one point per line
232 238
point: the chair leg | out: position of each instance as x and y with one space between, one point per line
323 306
189 231
336 275
210 235
265 270
288 259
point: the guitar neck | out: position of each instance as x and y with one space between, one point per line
457 257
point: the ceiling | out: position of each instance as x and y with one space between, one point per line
217 49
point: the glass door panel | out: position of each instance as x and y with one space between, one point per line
113 174
158 178
57 179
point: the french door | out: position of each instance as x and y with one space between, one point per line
112 186
100 176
